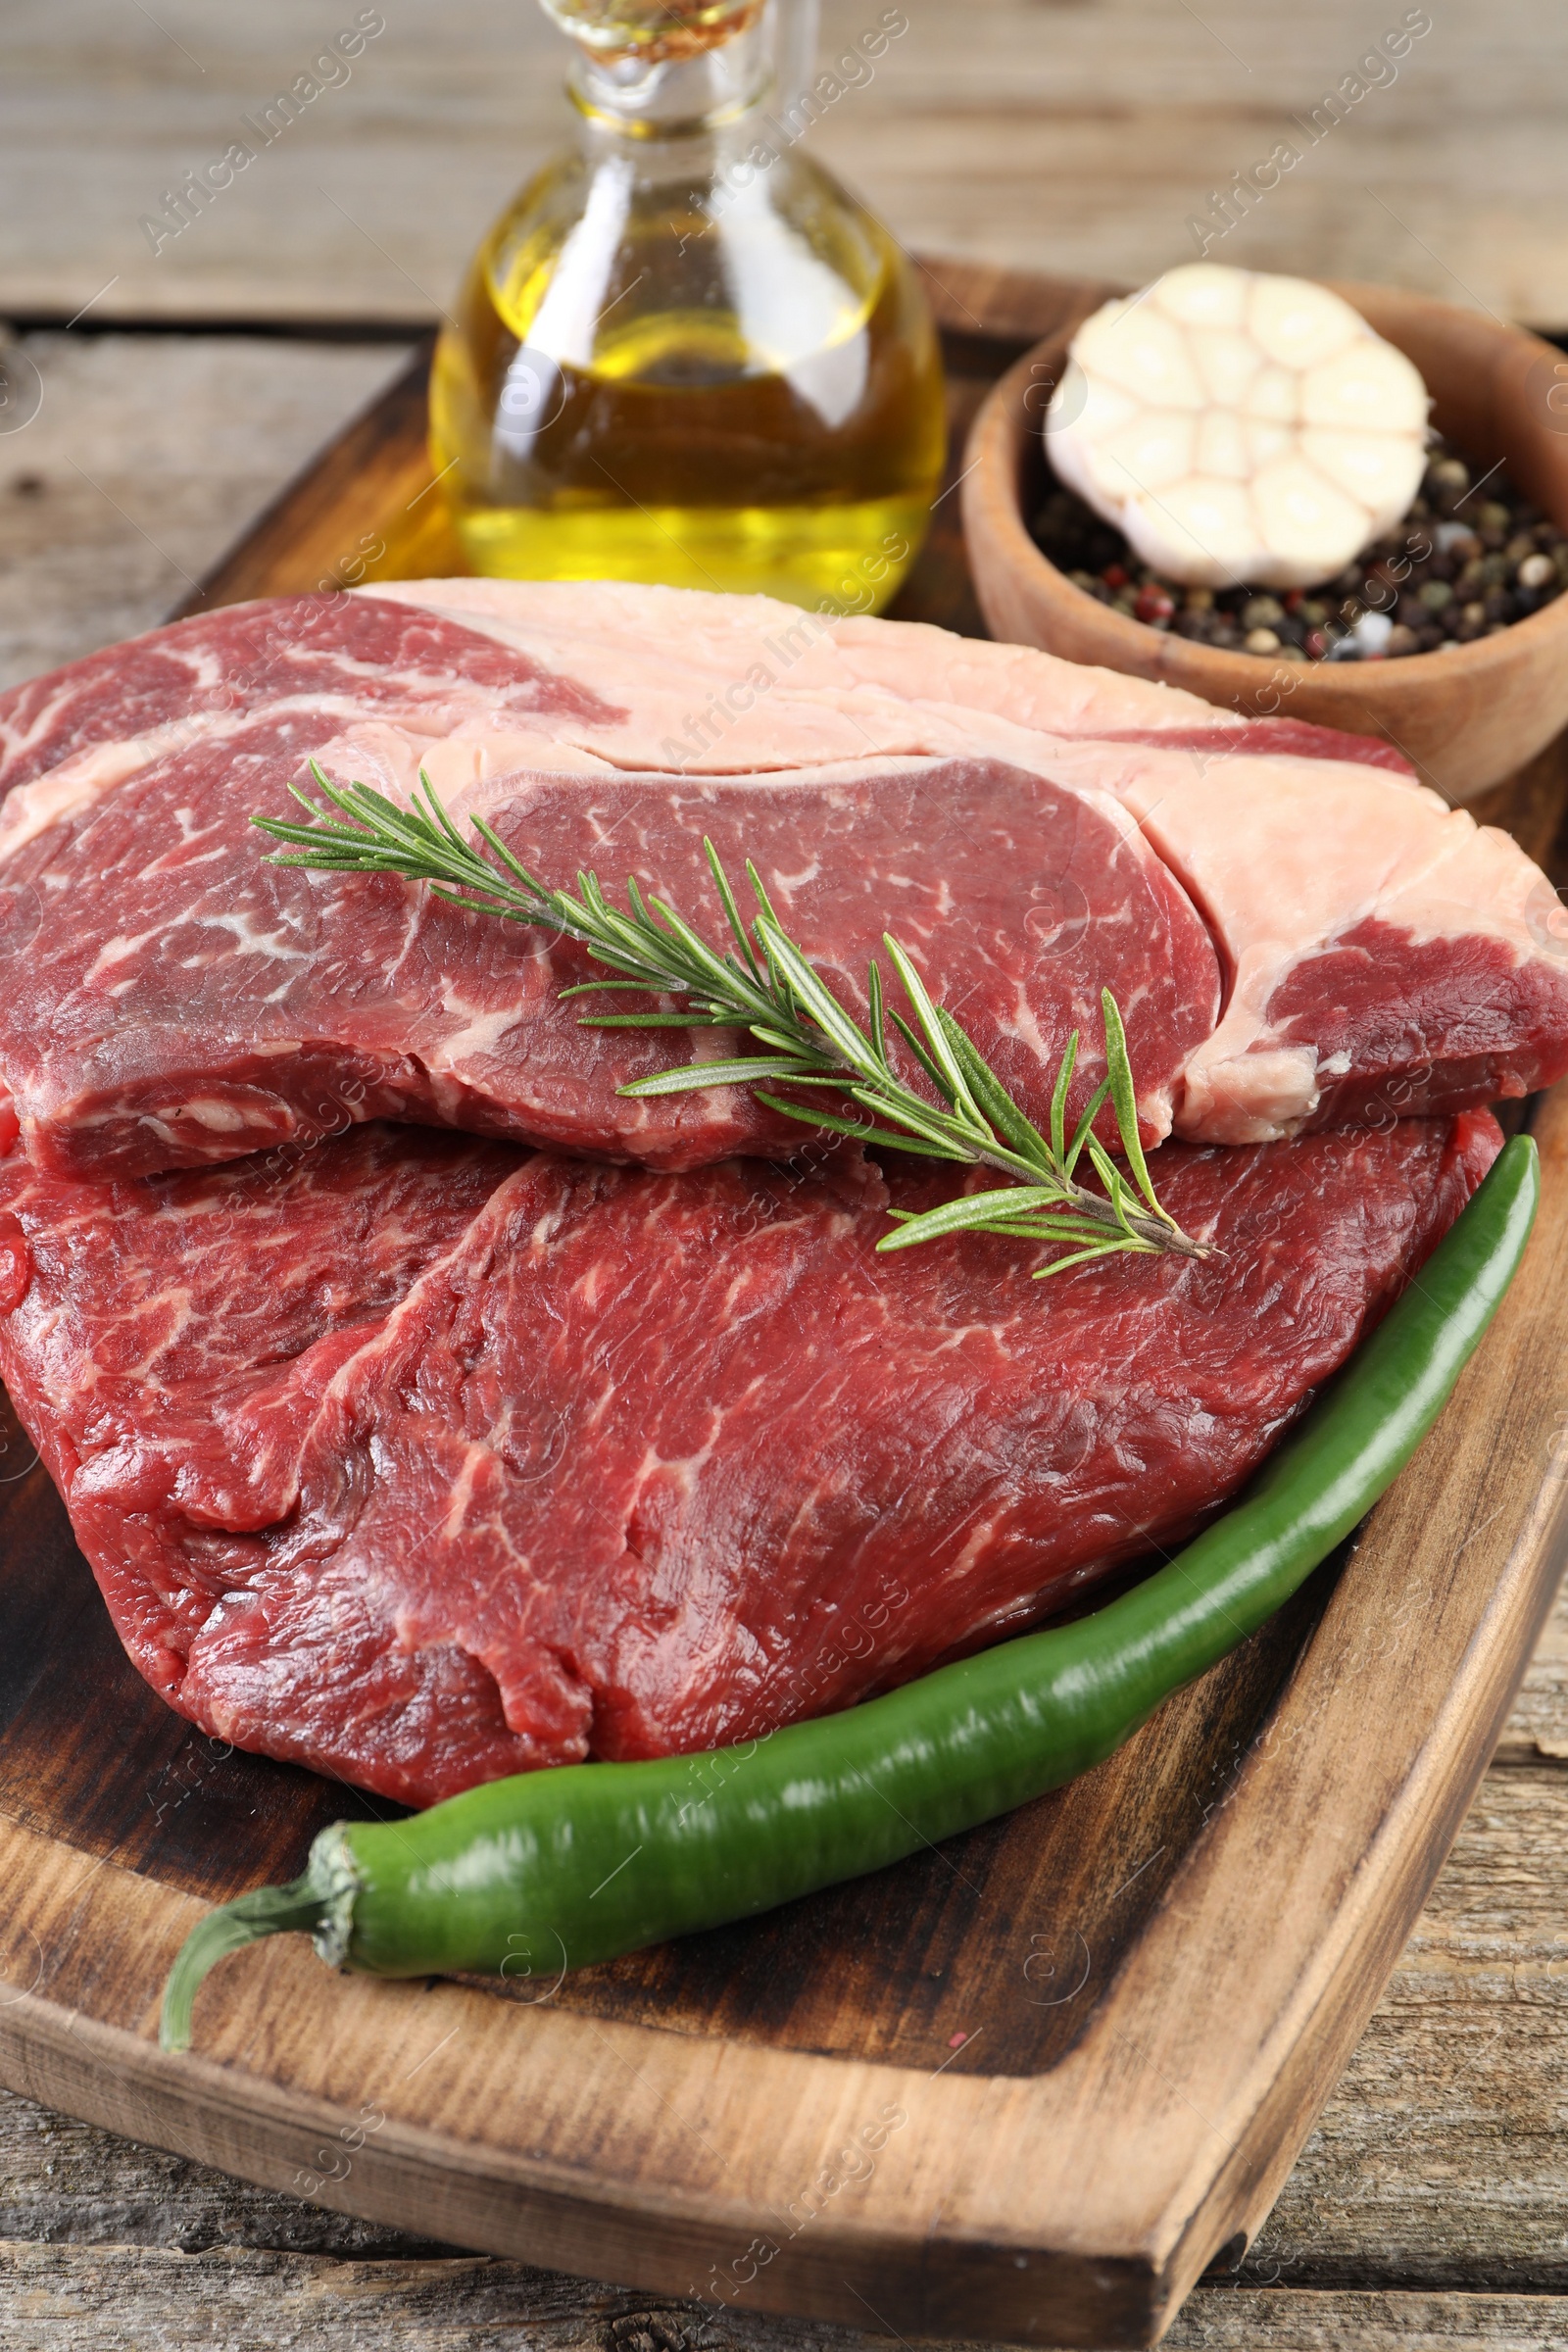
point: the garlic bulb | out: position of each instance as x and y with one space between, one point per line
1239 427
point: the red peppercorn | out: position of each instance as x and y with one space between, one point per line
1292 599
1318 644
1114 576
1155 604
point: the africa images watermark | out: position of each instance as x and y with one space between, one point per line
199 190
1228 207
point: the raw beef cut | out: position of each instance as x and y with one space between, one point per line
1361 988
181 999
420 1459
167 1000
1385 955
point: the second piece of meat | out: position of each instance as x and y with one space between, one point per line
421 1463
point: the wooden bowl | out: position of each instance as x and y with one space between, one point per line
1466 716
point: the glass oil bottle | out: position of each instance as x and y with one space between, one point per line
685 353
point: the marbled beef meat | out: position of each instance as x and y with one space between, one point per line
1033 830
421 1459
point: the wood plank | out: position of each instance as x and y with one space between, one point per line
122 2299
1078 135
1441 2159
1538 1724
145 455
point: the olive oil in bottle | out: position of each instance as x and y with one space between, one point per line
685 353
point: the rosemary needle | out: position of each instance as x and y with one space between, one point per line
765 985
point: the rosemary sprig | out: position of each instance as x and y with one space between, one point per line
765 985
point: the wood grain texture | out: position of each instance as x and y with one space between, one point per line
146 455
124 2299
1412 2116
1075 135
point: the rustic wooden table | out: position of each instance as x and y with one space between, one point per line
1431 2205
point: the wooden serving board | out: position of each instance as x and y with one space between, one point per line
1026 2084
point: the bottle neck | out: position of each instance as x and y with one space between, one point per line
673 97
695 78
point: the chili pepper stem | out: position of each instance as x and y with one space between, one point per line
318 1904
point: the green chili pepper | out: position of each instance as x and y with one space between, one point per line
548 1871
